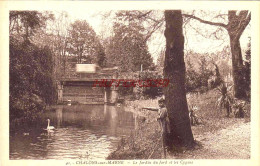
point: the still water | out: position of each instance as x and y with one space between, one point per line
84 131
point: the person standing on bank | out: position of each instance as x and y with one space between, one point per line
163 120
163 116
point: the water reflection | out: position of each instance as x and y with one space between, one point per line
59 117
84 131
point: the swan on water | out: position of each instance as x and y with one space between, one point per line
49 127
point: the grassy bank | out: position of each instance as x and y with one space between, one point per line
146 142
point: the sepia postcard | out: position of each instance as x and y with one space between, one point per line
129 83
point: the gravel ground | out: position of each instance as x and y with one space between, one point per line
232 142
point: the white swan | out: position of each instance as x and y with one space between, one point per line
49 127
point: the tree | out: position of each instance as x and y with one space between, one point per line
24 23
127 48
31 81
174 70
160 59
151 20
237 22
31 66
59 37
84 43
197 71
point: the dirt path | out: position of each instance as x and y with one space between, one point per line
230 143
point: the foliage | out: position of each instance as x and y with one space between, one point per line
84 43
239 108
225 99
31 83
143 91
151 20
204 71
31 67
237 22
194 119
151 92
56 37
192 78
23 24
197 71
124 91
127 48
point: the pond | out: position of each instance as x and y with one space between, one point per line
83 131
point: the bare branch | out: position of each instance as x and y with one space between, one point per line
155 28
143 14
204 21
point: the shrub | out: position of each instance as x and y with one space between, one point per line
31 83
197 74
225 99
150 92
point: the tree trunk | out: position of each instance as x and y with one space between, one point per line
175 95
237 67
237 22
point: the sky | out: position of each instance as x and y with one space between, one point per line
193 41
